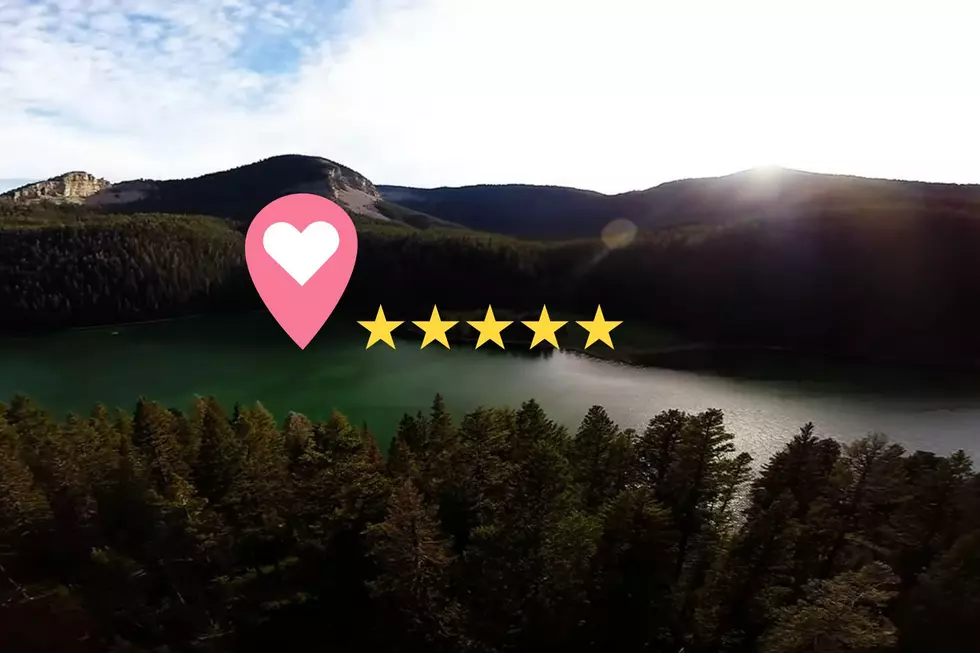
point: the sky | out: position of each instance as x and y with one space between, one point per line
610 95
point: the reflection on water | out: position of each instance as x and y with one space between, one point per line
763 414
249 358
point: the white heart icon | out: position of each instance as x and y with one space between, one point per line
301 253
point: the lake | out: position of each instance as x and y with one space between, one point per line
249 358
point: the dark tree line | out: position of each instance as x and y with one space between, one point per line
67 266
885 286
202 530
63 267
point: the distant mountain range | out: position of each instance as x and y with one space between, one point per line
547 211
539 212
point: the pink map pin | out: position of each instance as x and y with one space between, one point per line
300 250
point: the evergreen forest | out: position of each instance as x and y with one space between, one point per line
215 528
878 287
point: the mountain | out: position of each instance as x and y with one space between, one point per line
555 212
71 187
517 210
236 194
524 211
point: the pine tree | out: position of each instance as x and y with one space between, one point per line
25 516
655 448
373 458
155 432
693 480
401 460
788 520
631 595
931 515
103 456
334 435
39 440
733 475
258 493
599 454
751 580
414 431
441 430
297 431
867 484
476 487
189 427
803 469
435 447
414 563
530 558
219 458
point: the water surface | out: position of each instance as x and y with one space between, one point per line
248 358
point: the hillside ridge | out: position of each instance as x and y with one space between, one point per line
532 211
554 212
235 194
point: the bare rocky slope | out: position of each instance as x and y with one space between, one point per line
71 187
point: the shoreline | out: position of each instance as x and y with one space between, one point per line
679 355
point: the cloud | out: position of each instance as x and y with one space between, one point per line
610 95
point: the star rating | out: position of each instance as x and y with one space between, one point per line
380 329
599 329
544 329
490 329
435 329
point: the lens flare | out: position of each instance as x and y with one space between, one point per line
618 233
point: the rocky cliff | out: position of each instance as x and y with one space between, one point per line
74 187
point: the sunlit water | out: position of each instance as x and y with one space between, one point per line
248 358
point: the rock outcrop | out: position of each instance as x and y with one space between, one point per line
72 187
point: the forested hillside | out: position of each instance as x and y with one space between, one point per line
62 266
206 530
881 284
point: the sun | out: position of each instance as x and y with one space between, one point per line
767 170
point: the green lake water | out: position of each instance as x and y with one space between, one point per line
248 358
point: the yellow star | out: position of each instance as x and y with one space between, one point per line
380 329
599 329
544 328
489 328
435 329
